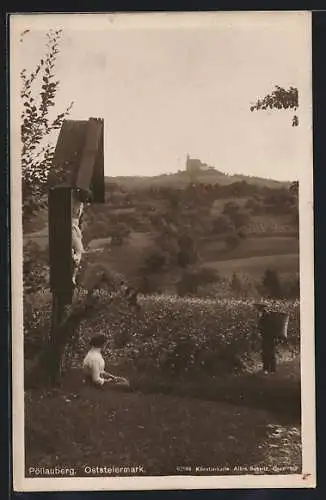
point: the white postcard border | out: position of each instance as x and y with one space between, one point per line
138 21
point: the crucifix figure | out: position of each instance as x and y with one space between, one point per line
77 235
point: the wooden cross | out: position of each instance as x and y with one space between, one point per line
78 165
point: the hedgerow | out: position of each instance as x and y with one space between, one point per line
170 336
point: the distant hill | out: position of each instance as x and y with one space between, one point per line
239 224
182 178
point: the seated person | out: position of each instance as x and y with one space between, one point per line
94 365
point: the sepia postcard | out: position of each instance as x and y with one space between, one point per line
162 251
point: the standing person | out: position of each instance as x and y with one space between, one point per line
131 295
268 337
124 289
94 365
133 299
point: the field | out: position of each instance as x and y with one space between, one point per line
255 266
192 363
251 247
240 230
251 258
165 434
172 335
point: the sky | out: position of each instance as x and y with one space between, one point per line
168 86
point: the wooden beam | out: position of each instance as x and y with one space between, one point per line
97 182
79 157
89 154
60 241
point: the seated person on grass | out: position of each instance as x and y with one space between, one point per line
94 365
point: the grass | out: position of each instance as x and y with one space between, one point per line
168 420
256 266
218 204
251 247
171 336
252 257
77 425
277 393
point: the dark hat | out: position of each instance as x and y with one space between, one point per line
82 195
98 340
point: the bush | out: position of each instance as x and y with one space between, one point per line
191 280
35 268
272 284
291 287
241 219
185 336
176 337
222 225
236 284
154 262
233 241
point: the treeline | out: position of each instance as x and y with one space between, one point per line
125 196
179 221
151 208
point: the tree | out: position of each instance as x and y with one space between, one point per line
42 369
192 279
235 284
187 252
239 217
230 208
294 188
118 232
38 92
233 241
272 284
280 99
294 191
222 224
154 262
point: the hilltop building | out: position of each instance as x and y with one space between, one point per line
195 166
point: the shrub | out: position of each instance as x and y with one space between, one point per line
191 280
291 286
35 268
154 262
233 241
241 219
177 337
222 225
272 284
235 284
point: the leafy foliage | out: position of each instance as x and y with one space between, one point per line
35 268
191 280
272 284
176 336
38 92
279 99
